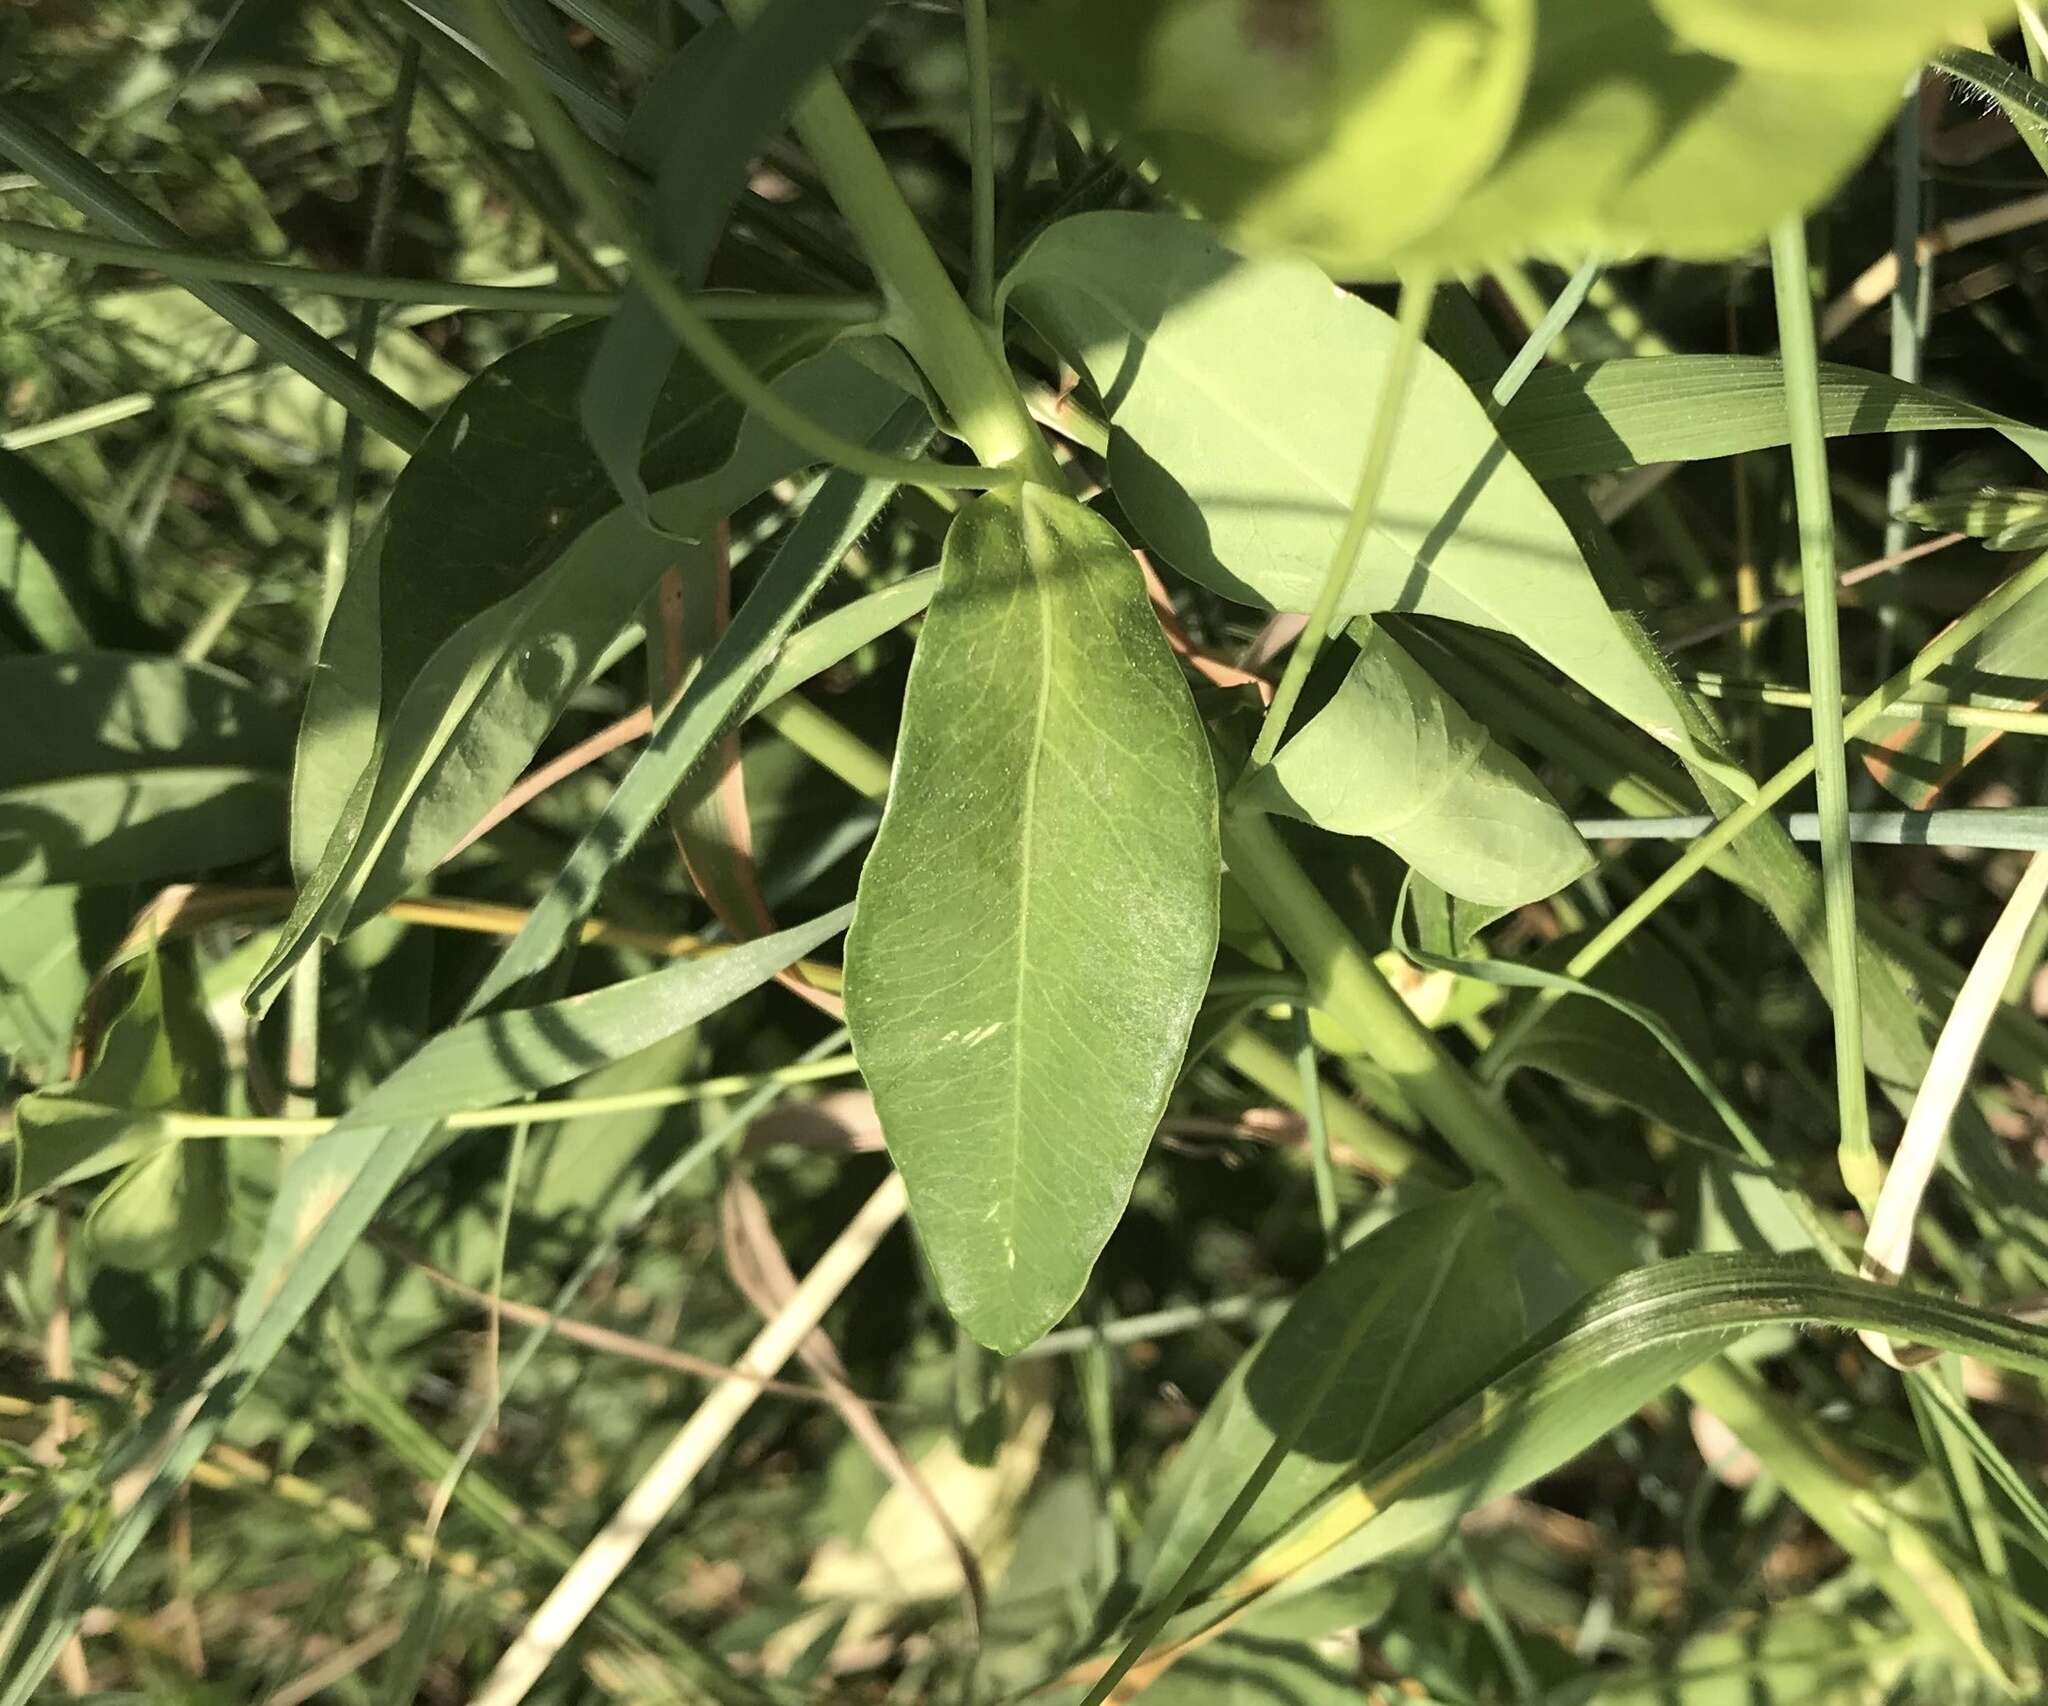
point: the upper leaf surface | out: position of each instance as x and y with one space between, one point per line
1394 757
1238 392
1038 915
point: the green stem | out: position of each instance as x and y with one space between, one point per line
1417 293
1937 653
183 264
981 158
1347 985
1943 713
1547 331
1378 1146
69 174
184 1126
587 178
1800 353
959 355
828 742
1318 1134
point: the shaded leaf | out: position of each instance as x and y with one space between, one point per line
62 585
700 124
1795 1656
1037 918
1176 333
131 769
166 1210
159 1052
504 568
1394 757
45 967
1378 1343
1602 417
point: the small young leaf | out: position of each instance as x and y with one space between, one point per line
1394 757
128 769
1037 918
1176 333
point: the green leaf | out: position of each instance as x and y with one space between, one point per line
700 125
1603 417
49 941
1605 1358
1038 915
2006 518
1394 757
63 587
1378 139
168 1206
504 568
1345 130
127 769
1604 1052
166 1210
1797 1656
159 1052
1378 1343
1175 333
1629 138
1808 35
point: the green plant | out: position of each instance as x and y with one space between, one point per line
1080 397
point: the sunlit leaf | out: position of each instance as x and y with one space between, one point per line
1177 334
2006 518
1038 915
1341 129
1394 757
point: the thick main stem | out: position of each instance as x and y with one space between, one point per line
1345 983
961 358
1801 364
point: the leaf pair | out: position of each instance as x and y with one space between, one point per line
1422 133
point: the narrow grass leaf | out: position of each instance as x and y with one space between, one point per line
1604 417
1038 915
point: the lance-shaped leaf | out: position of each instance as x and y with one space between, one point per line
1395 758
130 769
1038 915
1236 390
491 595
1378 1343
1602 417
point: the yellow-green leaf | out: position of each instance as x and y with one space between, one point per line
1037 918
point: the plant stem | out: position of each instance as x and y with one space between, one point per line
66 173
1546 332
586 176
981 158
1318 1134
958 354
1417 293
182 264
1861 1171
